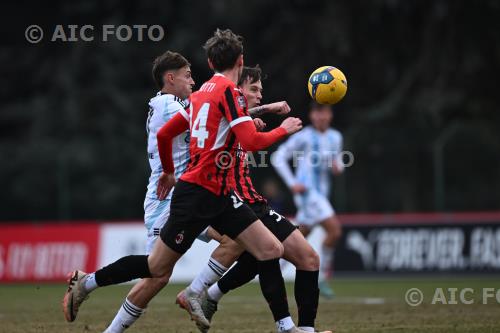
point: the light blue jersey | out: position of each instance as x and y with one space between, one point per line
162 108
313 154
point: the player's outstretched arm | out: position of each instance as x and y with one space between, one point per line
165 136
280 108
252 140
292 148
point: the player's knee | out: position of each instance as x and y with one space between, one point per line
308 260
234 249
162 281
228 251
156 284
334 232
312 261
338 233
276 250
271 250
330 241
234 254
229 245
161 272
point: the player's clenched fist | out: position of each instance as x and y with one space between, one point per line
280 108
165 184
259 124
292 125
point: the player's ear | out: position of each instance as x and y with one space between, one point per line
210 65
168 77
165 78
240 60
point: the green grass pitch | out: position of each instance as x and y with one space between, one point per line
361 305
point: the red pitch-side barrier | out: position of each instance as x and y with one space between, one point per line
46 252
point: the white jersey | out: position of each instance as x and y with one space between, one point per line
313 154
162 108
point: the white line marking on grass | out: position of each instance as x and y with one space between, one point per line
360 300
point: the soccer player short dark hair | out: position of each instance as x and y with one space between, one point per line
166 62
315 106
223 49
252 74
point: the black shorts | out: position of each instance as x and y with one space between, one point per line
279 225
193 208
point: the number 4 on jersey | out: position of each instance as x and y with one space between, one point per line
199 128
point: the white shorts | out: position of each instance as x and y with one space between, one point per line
312 208
156 214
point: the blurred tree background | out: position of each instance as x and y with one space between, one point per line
421 116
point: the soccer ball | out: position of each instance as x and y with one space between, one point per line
327 85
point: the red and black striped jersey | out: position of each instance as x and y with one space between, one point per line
244 186
214 109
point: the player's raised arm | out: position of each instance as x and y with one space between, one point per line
175 126
252 140
280 161
280 108
244 128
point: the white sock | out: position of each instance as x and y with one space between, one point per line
208 276
283 264
126 316
214 293
325 267
307 328
284 324
90 284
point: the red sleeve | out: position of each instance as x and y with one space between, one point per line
166 134
251 140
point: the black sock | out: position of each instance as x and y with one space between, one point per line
273 287
123 270
243 272
306 296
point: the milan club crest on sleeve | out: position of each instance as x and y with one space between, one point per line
241 101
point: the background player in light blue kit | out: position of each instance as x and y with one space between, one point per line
316 155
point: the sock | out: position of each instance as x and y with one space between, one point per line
306 296
307 328
243 272
214 292
284 324
208 276
283 264
325 266
123 270
273 288
126 316
90 284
